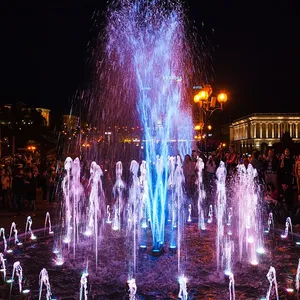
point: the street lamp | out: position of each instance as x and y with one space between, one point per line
208 105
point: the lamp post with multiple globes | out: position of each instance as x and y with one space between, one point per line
208 104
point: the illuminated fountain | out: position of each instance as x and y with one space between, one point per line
18 271
143 203
44 281
221 209
108 220
95 204
183 294
132 288
157 80
118 191
28 228
147 51
249 218
83 287
201 193
2 233
270 222
273 283
231 287
288 224
134 202
297 279
47 218
210 214
3 266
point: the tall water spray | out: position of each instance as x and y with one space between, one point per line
144 203
95 204
179 199
134 203
146 42
249 220
118 191
297 279
201 193
2 233
3 266
77 190
221 211
66 187
83 287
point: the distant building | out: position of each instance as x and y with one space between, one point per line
260 130
46 114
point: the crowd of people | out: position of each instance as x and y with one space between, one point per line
24 178
278 176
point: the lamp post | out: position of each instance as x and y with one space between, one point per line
208 105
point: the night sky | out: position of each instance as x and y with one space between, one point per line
254 45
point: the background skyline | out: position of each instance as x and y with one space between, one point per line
253 52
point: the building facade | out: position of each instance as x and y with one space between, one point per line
262 130
46 114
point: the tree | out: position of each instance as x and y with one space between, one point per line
285 142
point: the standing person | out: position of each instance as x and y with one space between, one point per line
189 175
287 167
211 168
31 184
231 160
18 188
271 168
51 184
6 181
43 185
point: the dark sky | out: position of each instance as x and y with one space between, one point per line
255 46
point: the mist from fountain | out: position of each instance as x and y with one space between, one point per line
146 43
